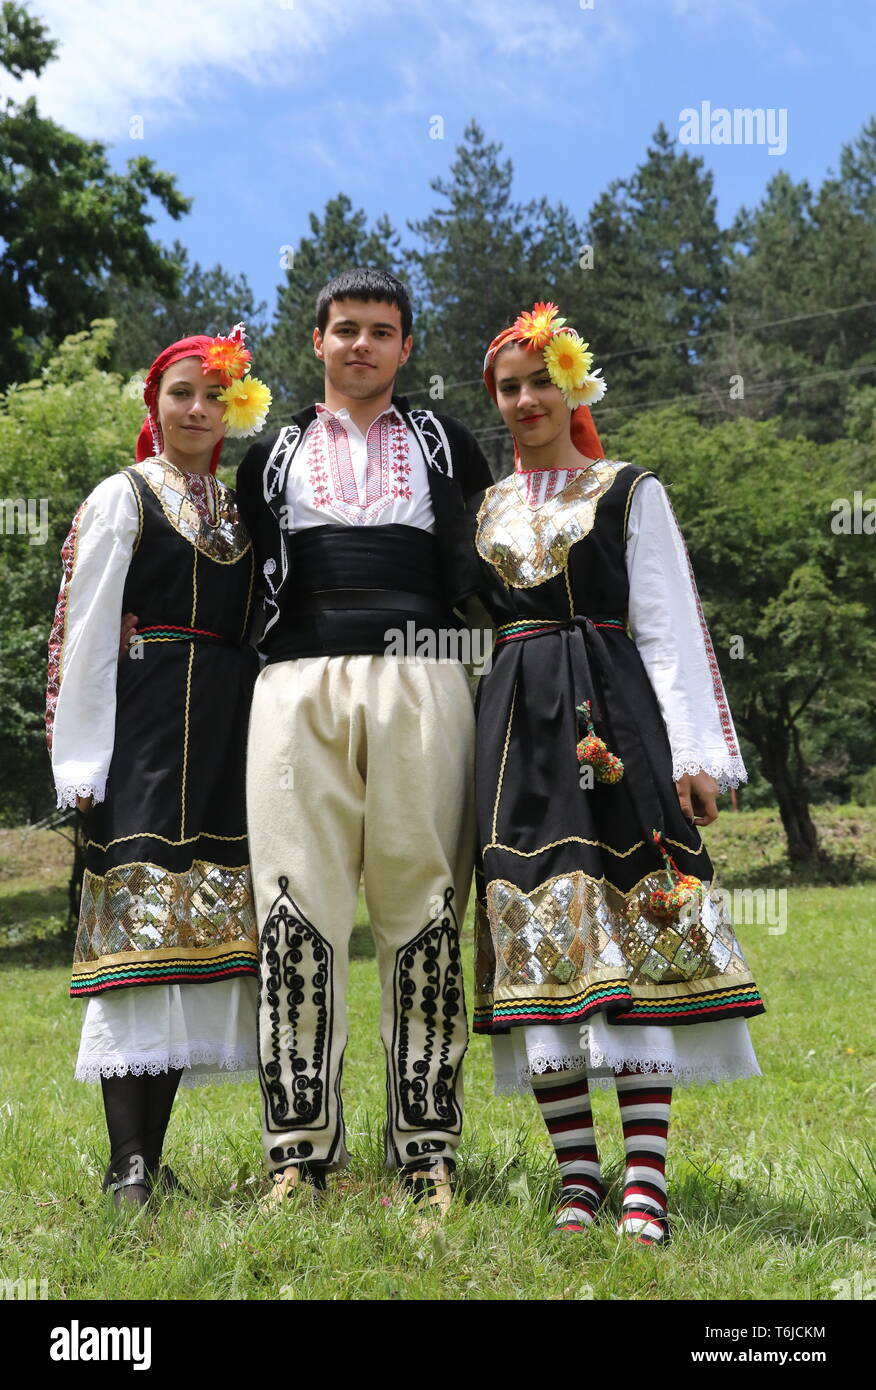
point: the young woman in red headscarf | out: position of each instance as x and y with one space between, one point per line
150 748
605 951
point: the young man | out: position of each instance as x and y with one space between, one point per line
358 761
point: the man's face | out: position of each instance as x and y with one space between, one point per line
362 347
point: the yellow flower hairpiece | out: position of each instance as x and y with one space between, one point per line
591 390
567 358
247 402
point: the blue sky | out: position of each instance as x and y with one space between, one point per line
264 110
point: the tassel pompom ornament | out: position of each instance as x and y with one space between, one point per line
666 904
593 752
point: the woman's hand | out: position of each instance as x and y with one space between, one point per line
696 797
128 631
83 803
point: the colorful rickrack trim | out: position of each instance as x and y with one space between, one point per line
725 1001
169 633
99 979
525 627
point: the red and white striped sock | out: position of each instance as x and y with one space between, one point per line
564 1101
644 1099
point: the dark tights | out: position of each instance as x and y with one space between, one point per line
137 1113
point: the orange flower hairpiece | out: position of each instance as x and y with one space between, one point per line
229 357
566 355
535 328
246 399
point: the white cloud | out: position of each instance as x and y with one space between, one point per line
160 59
168 60
725 14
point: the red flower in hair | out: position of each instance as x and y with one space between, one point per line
230 358
536 329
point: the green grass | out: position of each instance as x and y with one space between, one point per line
772 1181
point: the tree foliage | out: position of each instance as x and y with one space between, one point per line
205 301
339 240
66 219
756 509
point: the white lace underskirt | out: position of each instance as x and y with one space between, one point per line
208 1030
686 1055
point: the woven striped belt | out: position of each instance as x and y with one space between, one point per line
534 627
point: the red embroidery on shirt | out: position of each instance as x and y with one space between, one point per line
315 446
717 683
330 466
532 480
203 494
399 458
56 638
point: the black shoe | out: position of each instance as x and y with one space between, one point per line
129 1183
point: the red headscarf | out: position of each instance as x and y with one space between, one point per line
150 440
584 435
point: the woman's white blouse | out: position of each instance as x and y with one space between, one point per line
84 647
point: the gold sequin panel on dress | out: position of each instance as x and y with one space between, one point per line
225 540
527 546
142 907
573 925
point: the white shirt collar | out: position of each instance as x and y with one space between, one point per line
345 419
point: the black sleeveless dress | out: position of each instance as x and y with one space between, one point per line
166 895
568 864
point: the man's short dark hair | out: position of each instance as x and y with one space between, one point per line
365 284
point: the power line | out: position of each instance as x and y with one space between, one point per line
750 328
755 389
492 431
676 342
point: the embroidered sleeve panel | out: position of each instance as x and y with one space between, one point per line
224 539
527 546
58 634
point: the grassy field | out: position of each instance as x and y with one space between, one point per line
772 1180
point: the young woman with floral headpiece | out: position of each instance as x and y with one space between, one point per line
604 947
150 747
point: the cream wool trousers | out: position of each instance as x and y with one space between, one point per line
360 763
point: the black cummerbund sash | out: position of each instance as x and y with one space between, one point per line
350 586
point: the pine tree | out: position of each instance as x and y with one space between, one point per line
798 254
657 280
340 241
207 301
483 259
